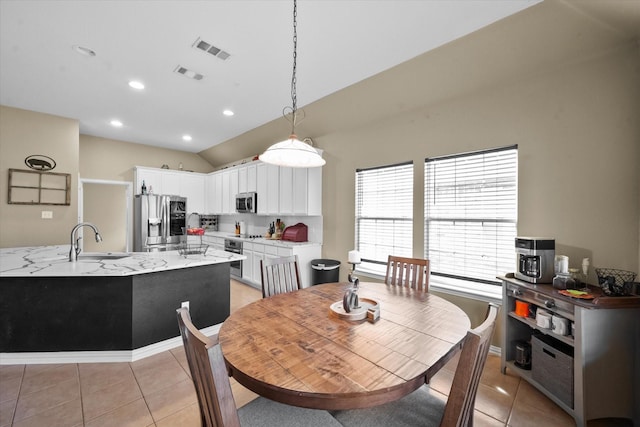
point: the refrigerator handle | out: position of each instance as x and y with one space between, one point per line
165 218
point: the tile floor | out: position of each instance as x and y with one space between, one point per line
157 391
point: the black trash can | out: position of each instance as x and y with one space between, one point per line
325 271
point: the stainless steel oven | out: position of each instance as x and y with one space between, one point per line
235 246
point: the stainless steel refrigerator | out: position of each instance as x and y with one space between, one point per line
159 222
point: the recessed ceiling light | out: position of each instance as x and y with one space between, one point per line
186 138
228 113
136 84
83 50
116 123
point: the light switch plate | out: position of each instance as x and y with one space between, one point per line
47 214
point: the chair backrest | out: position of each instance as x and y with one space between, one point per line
410 272
280 275
209 374
461 401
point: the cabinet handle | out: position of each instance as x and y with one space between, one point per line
549 303
516 292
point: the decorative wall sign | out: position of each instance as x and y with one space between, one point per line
40 163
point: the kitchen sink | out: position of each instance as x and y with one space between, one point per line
102 256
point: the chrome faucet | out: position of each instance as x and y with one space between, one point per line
75 247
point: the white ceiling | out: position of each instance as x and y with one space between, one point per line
340 42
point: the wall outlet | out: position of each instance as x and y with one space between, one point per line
47 214
185 304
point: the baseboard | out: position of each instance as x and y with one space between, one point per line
97 356
495 350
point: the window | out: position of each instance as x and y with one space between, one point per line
471 214
384 214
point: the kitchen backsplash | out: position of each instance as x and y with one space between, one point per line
258 224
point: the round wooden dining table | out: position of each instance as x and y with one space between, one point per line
292 348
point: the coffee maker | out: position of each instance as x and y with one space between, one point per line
535 257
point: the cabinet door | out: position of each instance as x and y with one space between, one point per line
247 266
242 179
152 179
300 191
217 193
233 190
267 182
225 193
262 188
286 191
192 187
252 184
170 183
209 193
257 273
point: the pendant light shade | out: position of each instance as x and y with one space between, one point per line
292 152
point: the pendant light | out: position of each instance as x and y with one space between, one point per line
292 152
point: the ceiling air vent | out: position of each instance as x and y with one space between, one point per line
188 73
210 49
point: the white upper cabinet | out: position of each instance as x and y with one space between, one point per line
233 190
152 179
225 193
186 184
267 187
252 177
192 187
286 191
281 190
229 190
171 183
213 193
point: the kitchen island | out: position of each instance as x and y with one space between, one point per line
118 306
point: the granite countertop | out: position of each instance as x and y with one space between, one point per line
54 261
261 240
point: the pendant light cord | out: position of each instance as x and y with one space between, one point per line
294 95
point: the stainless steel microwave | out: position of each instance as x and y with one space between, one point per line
247 202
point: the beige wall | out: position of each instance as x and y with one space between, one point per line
102 158
22 134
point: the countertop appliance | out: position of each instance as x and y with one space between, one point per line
523 354
295 233
159 222
247 202
234 246
535 258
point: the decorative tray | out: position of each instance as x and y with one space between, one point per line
576 294
359 313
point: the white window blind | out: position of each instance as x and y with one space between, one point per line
384 214
471 214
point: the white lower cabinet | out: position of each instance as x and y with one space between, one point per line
215 243
247 264
256 252
257 256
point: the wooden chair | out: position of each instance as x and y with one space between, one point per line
213 389
410 272
280 275
422 408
